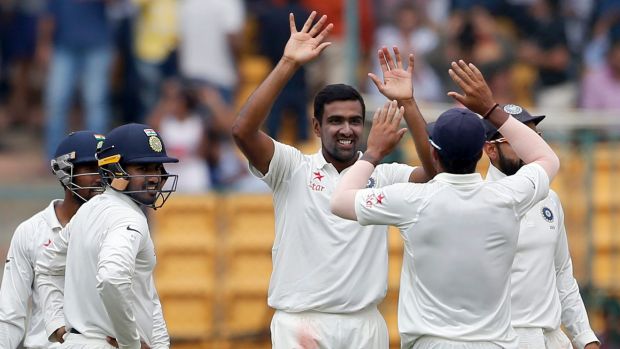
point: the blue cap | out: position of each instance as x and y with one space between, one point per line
82 146
515 111
132 144
458 133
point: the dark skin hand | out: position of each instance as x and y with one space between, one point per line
114 343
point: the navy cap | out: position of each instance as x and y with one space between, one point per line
515 111
458 133
132 144
82 146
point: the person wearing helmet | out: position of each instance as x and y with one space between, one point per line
109 293
75 166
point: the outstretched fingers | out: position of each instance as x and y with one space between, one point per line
411 63
291 23
399 62
318 25
388 58
325 32
308 23
376 80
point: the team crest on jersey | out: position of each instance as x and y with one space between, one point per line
513 109
547 214
371 182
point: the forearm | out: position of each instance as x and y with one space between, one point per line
51 294
160 339
528 146
115 297
257 107
343 200
417 127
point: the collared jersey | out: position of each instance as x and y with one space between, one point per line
322 262
460 237
109 289
544 292
17 289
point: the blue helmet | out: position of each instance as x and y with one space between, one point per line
134 144
75 149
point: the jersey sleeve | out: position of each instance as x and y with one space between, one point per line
50 279
385 206
115 270
161 339
527 187
16 289
285 160
574 315
394 173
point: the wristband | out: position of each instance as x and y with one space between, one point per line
486 115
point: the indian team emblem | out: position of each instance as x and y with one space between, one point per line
155 144
547 214
512 109
371 182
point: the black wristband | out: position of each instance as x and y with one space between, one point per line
486 115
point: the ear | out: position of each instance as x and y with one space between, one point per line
435 159
316 127
491 151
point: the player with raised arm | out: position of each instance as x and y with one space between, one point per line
329 274
75 166
460 232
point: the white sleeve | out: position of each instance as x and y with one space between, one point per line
16 289
394 173
388 205
574 315
527 187
284 161
161 339
50 280
115 270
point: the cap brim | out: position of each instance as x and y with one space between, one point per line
152 160
534 118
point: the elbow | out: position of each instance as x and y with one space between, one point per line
237 131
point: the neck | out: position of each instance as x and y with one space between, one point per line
67 208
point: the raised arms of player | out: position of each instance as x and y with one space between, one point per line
397 84
50 281
385 134
574 315
302 47
478 98
16 290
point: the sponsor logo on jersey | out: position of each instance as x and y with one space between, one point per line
315 181
547 214
49 242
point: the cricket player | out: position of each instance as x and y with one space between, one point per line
329 274
21 311
109 294
544 292
460 232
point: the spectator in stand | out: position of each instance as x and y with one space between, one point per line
273 35
211 33
410 33
155 47
78 35
601 86
184 133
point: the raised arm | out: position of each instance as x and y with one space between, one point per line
397 84
478 98
302 47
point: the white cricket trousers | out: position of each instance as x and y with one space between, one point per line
537 338
78 341
430 342
365 329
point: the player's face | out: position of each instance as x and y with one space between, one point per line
87 177
147 181
507 160
341 130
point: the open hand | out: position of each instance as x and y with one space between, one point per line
397 82
307 44
477 95
385 132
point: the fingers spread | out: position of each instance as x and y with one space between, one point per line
382 61
325 32
399 62
457 70
291 22
467 70
457 79
388 59
308 23
318 25
376 80
411 63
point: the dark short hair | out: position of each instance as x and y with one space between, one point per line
336 92
457 165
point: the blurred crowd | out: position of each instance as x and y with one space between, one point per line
175 64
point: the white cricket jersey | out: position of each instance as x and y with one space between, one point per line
544 291
322 262
460 237
17 291
109 289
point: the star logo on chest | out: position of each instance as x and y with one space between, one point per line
318 175
380 198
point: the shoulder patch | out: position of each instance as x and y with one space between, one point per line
547 214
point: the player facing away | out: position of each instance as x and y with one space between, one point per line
106 253
460 232
75 166
544 293
329 274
